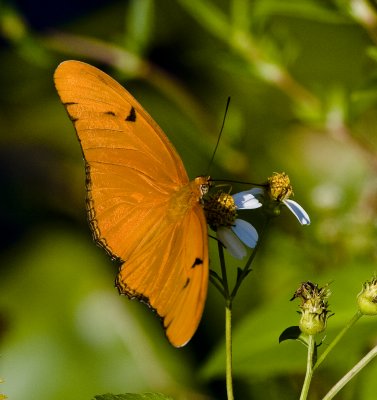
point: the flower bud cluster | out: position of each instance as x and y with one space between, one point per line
314 307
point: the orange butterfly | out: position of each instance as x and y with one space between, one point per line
142 208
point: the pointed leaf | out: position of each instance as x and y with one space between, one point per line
293 333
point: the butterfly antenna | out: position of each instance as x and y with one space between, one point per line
219 136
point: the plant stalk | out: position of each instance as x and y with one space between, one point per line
309 368
351 373
228 350
352 321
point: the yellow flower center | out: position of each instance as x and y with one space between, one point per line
280 187
220 210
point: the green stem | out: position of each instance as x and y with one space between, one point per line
350 374
223 270
228 350
223 280
364 13
352 322
245 271
217 284
228 324
309 368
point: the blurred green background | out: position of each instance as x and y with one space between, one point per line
303 82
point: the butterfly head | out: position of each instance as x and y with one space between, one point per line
203 183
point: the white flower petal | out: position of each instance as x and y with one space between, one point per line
231 242
246 200
246 232
298 212
257 192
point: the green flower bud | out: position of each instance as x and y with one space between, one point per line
367 298
314 307
311 323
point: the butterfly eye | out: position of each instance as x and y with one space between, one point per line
204 189
203 184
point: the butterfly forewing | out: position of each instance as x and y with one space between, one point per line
134 176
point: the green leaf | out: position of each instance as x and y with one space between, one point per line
209 16
240 14
293 333
133 396
239 273
139 24
309 9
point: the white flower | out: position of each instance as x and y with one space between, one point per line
241 232
280 189
297 211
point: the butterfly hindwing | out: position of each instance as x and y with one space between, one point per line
180 286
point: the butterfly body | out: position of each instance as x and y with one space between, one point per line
142 208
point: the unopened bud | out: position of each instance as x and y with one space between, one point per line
314 307
367 298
